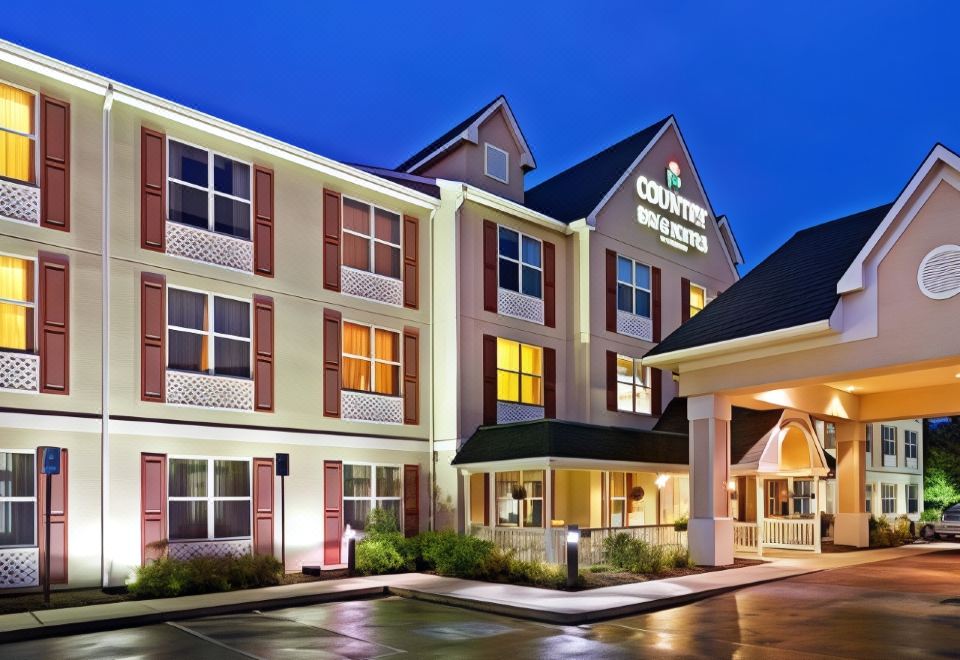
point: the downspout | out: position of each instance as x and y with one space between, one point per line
105 339
432 482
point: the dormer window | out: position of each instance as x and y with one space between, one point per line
496 163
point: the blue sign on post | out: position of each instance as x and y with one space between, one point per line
51 460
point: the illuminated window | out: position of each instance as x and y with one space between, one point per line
371 238
698 299
209 191
910 448
519 498
888 498
496 163
519 372
371 359
888 441
633 386
869 436
18 134
803 496
17 304
220 347
520 263
829 435
633 287
209 499
18 499
368 487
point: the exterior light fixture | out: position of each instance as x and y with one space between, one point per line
662 479
850 388
351 537
573 555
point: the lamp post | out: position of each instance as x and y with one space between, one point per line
351 551
573 555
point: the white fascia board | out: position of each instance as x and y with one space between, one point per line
51 68
504 205
555 463
674 358
723 222
853 279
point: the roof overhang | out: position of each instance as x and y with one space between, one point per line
497 203
563 463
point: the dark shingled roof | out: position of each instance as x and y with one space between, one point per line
446 137
559 439
424 185
795 285
575 192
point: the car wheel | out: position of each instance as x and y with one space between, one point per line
927 533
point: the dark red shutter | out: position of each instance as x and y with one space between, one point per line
331 363
153 190
263 506
611 380
486 499
153 504
549 285
684 300
332 511
153 337
611 305
58 518
489 379
489 266
54 164
655 283
411 376
411 269
263 350
263 221
549 383
331 240
411 500
54 323
656 391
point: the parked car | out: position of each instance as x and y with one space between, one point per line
948 527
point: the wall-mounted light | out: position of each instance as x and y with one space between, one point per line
661 480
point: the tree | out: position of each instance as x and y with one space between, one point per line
941 481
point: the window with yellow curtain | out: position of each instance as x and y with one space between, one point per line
371 359
698 299
519 372
16 304
17 134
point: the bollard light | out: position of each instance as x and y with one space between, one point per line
573 555
351 551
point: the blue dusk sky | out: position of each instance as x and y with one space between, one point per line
795 113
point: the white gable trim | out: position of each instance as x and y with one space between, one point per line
472 134
853 279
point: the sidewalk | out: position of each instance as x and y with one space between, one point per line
543 605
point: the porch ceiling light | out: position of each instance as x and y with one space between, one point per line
662 479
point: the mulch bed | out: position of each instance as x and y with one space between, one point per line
612 579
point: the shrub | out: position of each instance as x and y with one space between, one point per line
381 521
637 556
376 556
931 515
680 524
168 577
884 534
537 574
600 568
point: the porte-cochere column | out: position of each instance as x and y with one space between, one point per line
852 524
710 530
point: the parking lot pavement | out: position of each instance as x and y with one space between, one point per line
904 607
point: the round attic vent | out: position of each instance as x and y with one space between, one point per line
939 273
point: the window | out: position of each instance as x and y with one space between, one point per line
496 163
209 499
520 498
220 347
888 498
18 499
698 299
888 435
868 496
519 372
829 435
366 487
18 134
633 287
371 238
803 497
17 304
208 191
519 263
371 359
869 435
633 386
910 448
618 499
913 498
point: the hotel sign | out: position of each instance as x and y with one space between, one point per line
679 221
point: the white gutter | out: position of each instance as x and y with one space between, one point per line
504 205
105 339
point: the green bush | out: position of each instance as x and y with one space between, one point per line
600 568
381 521
168 577
680 524
637 556
884 534
931 515
537 574
376 556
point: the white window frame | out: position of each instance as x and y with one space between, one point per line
521 503
29 305
373 360
486 163
908 460
210 498
373 498
889 460
888 495
34 499
371 237
35 136
210 333
868 434
210 189
521 264
646 385
634 287
690 298
914 488
868 498
521 374
802 498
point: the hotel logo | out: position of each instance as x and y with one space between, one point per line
673 176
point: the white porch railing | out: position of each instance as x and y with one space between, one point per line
745 536
790 534
591 540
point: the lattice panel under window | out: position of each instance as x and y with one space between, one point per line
639 327
19 371
209 247
517 412
19 567
193 549
371 286
365 407
20 202
207 391
528 308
